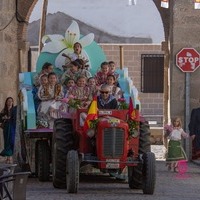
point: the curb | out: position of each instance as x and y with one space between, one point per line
196 162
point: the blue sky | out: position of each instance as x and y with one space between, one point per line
113 16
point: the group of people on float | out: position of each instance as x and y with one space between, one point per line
51 90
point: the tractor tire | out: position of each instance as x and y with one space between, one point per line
72 169
135 176
149 174
43 160
144 141
62 143
36 158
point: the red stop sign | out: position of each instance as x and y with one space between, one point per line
188 60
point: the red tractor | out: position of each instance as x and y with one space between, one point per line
109 146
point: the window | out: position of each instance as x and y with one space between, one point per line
152 73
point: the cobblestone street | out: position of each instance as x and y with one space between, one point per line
169 185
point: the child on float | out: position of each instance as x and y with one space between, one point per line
101 76
50 96
77 54
112 69
42 91
74 72
115 91
46 69
92 85
81 92
175 151
67 85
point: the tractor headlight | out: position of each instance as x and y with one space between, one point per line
90 132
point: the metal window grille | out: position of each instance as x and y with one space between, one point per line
152 73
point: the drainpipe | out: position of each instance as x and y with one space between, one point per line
121 49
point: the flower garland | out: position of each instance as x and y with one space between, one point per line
72 102
93 123
133 128
122 104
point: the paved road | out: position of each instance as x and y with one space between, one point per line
169 185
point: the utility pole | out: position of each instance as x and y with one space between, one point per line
42 24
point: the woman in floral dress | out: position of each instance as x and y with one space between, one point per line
5 124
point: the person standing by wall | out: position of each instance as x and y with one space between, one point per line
5 124
194 128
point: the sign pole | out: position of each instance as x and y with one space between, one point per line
187 113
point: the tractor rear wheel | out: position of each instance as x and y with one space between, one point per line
43 160
149 174
144 141
36 158
135 177
62 142
72 169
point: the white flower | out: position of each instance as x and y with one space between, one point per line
59 44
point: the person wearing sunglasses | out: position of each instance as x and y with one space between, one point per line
106 100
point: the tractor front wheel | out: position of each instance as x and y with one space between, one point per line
135 175
72 169
149 174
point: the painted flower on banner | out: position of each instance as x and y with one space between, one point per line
64 44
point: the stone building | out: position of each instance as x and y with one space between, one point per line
181 29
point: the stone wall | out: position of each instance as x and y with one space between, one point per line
184 34
9 64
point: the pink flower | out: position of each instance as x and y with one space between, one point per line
65 100
122 100
168 128
71 96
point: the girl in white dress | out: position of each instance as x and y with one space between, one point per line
175 152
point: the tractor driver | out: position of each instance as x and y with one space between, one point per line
106 100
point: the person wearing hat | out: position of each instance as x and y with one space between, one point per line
74 72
